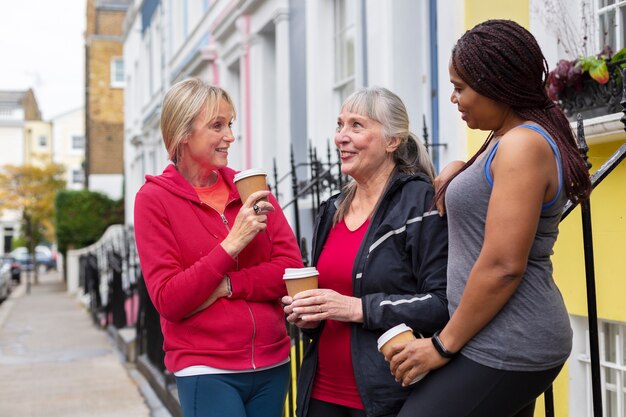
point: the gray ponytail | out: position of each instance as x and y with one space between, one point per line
412 156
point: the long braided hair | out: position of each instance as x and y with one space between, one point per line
501 60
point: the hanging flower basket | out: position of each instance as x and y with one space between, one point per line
591 86
593 99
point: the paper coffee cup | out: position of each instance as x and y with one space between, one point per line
396 335
250 181
300 279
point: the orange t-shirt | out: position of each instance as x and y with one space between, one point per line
215 195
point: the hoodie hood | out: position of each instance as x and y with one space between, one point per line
172 181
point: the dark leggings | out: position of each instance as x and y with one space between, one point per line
464 388
318 408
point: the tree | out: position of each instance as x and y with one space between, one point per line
83 216
31 190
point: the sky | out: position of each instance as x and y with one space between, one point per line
42 47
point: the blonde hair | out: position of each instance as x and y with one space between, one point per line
182 104
385 107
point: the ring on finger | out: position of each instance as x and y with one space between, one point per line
256 209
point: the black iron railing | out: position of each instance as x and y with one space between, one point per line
108 273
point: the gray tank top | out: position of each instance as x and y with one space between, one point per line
532 331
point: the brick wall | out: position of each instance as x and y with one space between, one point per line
31 109
105 105
109 22
107 148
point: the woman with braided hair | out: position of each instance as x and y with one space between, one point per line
509 333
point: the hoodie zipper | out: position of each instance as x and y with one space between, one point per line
253 334
225 221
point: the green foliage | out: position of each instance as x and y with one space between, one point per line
619 55
83 216
596 67
18 241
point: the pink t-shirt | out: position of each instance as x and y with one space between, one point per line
334 379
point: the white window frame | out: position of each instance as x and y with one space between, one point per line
618 9
82 145
615 365
344 26
78 176
117 78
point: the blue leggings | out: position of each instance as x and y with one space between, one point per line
249 394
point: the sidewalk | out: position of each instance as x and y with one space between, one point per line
55 363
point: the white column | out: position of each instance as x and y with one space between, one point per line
283 101
243 25
261 103
322 110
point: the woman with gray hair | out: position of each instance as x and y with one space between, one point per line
213 264
381 252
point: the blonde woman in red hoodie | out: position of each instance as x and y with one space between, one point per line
213 264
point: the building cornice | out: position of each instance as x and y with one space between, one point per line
192 59
106 38
603 129
281 14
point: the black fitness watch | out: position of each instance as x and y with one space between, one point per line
440 348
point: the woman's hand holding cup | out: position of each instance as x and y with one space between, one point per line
294 317
250 221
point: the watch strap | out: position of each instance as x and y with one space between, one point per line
440 348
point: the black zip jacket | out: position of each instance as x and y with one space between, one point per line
400 276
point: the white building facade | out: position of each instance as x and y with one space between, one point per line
24 139
12 144
68 131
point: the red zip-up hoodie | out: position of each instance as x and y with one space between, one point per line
178 240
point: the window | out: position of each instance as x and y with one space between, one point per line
117 72
344 37
78 176
612 340
78 142
612 23
43 141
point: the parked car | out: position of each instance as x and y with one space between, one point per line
16 267
44 257
5 281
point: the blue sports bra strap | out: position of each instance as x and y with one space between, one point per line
557 154
555 149
492 153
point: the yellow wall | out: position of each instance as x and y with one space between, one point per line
608 211
477 11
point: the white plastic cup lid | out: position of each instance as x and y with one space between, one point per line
293 273
249 173
389 334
